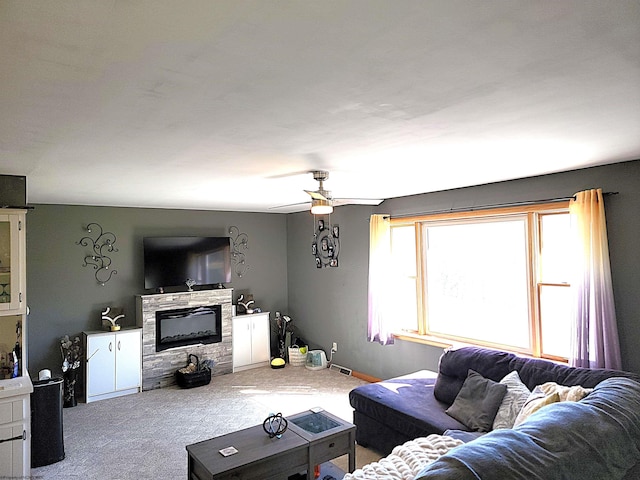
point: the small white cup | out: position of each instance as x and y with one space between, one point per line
44 374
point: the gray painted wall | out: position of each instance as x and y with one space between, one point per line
331 304
64 297
326 305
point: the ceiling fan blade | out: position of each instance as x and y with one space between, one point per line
289 174
290 205
316 195
357 201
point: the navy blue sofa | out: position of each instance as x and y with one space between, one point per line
394 411
597 438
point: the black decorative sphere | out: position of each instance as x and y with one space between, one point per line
275 425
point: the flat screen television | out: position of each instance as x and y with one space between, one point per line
171 261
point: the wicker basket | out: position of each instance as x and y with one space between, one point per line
297 359
201 376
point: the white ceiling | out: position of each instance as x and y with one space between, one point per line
213 104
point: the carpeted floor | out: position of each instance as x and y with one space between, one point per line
144 436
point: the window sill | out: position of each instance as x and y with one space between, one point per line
443 343
424 339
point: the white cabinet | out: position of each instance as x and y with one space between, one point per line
12 263
15 427
251 341
114 361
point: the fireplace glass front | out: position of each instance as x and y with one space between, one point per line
188 326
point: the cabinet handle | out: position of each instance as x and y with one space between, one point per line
118 345
18 437
110 346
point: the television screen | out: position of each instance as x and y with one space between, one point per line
170 261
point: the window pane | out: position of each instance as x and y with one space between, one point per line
555 231
555 317
403 257
477 281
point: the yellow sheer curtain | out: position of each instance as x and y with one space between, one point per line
595 332
378 326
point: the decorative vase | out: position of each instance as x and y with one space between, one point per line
69 394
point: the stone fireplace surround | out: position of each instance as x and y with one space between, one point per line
159 368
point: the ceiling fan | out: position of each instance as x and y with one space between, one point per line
322 202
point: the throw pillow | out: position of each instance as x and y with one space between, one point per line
535 402
566 394
513 401
477 402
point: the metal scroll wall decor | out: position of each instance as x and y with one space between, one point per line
239 241
326 242
101 244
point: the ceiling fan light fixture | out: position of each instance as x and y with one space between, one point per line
321 207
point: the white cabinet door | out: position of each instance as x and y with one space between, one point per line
128 358
101 364
260 334
12 264
241 341
11 453
15 441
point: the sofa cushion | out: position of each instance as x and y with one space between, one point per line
513 401
477 402
455 363
406 404
535 371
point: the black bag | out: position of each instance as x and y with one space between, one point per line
189 379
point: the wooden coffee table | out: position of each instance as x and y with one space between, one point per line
311 439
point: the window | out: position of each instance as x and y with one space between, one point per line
495 278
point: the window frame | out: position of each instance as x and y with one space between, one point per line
534 213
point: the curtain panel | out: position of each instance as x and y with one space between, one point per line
595 342
379 328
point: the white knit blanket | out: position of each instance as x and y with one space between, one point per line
406 460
